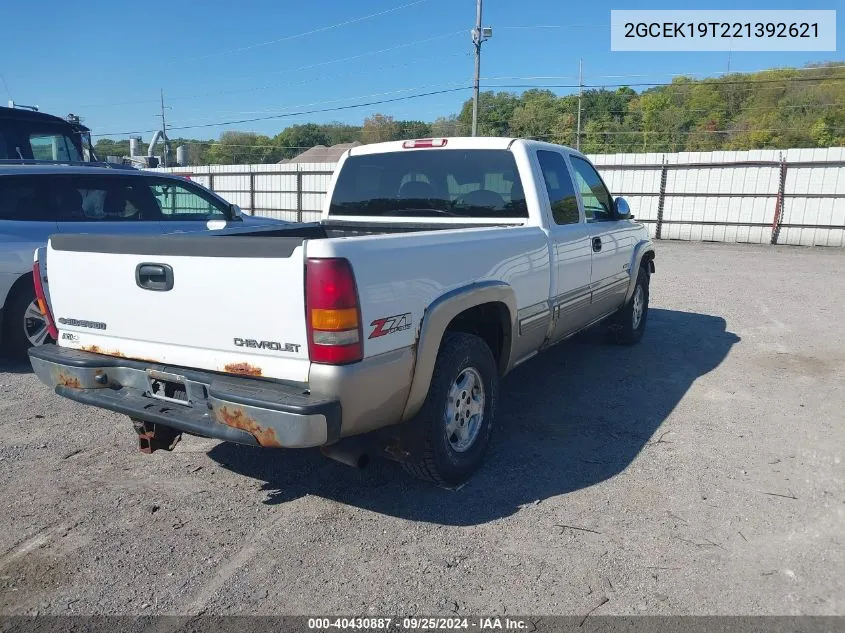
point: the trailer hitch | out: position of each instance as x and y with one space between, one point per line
152 437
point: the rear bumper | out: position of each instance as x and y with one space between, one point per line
235 409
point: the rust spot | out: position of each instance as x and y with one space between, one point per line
95 349
141 358
237 419
244 369
71 382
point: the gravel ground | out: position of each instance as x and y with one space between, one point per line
699 472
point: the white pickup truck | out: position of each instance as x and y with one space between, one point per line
437 267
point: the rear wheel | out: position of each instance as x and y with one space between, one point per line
24 324
457 416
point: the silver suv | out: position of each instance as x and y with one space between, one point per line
39 200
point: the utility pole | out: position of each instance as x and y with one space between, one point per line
580 93
479 36
730 50
163 128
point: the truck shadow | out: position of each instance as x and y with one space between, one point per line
570 418
11 365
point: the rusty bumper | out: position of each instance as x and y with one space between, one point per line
242 410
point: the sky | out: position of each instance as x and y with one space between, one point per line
220 61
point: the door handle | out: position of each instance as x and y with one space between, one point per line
596 244
158 277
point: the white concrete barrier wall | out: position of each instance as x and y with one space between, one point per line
722 196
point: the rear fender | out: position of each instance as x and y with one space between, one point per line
436 320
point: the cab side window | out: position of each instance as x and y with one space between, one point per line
559 187
598 205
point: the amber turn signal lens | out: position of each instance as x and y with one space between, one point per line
344 319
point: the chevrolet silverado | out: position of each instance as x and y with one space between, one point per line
437 267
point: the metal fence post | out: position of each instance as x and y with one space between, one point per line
661 200
779 202
252 193
298 196
211 180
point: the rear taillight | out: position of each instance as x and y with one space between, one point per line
41 300
332 312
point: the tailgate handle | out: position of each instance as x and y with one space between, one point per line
154 276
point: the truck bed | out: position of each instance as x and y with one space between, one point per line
235 299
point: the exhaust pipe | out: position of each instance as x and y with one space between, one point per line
352 452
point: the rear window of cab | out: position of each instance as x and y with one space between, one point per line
430 183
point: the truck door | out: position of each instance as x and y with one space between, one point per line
569 238
612 241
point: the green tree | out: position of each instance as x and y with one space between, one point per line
544 116
412 129
295 139
446 126
378 128
236 148
494 114
340 133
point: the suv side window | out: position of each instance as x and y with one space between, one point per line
598 205
177 201
25 199
559 186
93 198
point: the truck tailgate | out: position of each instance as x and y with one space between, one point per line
220 303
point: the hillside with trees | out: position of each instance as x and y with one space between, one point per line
774 109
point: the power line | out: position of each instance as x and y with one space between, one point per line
367 96
361 55
320 78
288 38
339 60
456 89
291 114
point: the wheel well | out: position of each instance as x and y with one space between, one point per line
491 322
22 282
648 260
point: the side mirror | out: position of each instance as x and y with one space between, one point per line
623 211
236 213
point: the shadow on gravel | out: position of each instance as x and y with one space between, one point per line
9 365
568 419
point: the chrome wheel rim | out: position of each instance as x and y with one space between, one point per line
464 410
639 304
34 325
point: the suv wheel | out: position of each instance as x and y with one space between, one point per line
457 415
25 325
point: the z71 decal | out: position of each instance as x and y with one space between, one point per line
390 325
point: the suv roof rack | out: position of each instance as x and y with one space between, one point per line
70 163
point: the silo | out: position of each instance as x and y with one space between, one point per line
182 156
133 145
